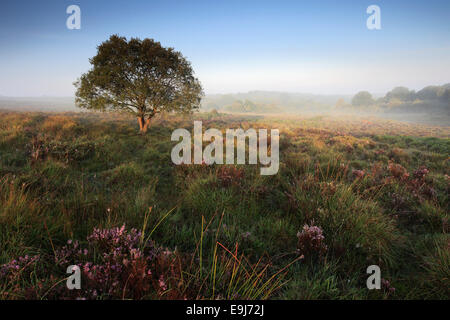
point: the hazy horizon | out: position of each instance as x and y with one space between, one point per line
375 94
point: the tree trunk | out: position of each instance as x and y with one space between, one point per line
143 124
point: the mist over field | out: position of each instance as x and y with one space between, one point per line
429 105
46 104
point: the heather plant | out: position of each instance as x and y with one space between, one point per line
13 273
115 264
230 175
387 287
311 240
18 267
398 171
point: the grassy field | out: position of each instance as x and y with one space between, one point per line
350 193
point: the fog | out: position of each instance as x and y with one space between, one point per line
429 105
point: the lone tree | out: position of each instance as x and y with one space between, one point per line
139 77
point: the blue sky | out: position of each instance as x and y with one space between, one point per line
235 46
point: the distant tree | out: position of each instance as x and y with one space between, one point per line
340 103
445 96
380 101
139 77
249 106
214 112
362 98
428 93
401 94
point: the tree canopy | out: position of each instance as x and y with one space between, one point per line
139 77
363 98
401 94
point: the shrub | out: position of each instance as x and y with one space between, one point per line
311 240
230 175
398 171
12 273
116 264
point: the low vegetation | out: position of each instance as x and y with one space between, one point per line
89 190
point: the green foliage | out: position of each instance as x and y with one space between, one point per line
139 77
362 98
362 182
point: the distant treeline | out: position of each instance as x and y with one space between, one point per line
269 102
429 100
